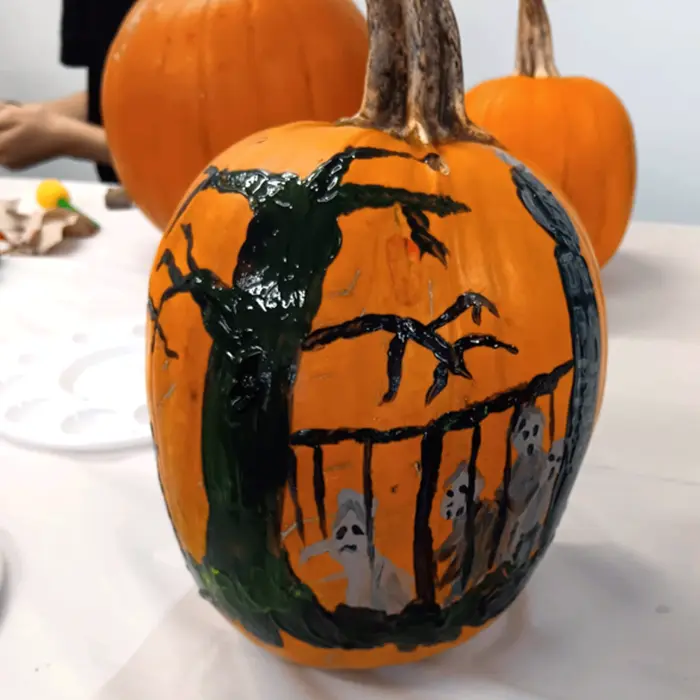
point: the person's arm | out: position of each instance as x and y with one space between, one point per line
78 139
32 134
74 106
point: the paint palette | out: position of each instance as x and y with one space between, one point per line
85 392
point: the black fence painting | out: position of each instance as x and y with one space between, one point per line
450 358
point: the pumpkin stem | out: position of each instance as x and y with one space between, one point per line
535 52
384 101
414 87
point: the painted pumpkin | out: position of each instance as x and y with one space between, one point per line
573 129
375 361
184 80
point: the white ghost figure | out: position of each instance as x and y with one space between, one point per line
372 583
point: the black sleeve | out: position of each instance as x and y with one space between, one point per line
87 30
75 33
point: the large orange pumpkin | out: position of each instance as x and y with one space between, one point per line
575 130
184 80
376 357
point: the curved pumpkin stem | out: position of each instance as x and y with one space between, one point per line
535 51
384 100
414 87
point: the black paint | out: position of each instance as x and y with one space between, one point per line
294 495
395 355
424 565
421 236
504 499
552 420
368 497
470 497
320 490
450 356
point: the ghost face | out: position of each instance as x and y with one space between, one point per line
527 437
349 536
454 503
555 457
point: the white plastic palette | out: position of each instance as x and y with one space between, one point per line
85 392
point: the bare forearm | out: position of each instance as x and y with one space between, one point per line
74 106
81 140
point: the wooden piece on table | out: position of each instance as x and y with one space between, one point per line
118 198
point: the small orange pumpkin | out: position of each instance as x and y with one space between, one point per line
376 356
574 130
184 80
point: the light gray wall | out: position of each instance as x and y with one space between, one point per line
647 51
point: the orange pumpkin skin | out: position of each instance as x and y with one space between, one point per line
496 249
184 80
578 133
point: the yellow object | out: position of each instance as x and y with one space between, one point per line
51 194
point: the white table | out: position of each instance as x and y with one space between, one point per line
100 605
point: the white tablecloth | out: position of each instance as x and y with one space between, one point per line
99 605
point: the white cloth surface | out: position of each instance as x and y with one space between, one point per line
97 605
